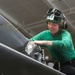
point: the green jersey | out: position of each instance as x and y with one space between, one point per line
62 48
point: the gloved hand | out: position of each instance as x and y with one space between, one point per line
30 47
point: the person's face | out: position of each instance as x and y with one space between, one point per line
53 27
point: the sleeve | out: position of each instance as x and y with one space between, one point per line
65 42
38 36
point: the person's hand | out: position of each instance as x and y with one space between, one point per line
30 47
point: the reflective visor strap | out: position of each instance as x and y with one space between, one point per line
53 18
54 21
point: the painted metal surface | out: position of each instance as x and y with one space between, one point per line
11 36
13 62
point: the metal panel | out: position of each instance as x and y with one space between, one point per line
13 62
10 36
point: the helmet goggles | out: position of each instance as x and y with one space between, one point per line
54 15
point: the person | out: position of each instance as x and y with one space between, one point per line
58 41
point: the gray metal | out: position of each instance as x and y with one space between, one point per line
13 62
11 36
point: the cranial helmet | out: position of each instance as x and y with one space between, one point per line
56 16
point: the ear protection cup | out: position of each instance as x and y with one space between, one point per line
63 25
